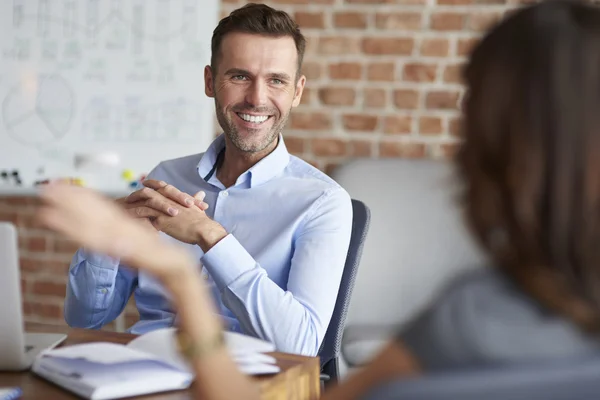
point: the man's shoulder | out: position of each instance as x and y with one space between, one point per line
180 163
298 168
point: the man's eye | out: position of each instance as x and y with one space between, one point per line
239 77
277 81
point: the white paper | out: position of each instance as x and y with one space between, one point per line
247 352
162 342
101 352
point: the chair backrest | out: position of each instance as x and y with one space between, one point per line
561 380
417 243
332 343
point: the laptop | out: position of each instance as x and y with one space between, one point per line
18 348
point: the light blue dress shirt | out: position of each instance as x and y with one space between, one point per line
274 276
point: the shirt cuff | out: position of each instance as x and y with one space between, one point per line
99 260
227 260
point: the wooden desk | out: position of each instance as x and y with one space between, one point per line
298 379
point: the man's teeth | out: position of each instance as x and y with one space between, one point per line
254 118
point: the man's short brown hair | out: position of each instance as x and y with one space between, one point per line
258 19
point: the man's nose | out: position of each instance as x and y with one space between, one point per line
257 94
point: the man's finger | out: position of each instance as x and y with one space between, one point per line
160 204
144 212
154 184
199 200
142 194
177 195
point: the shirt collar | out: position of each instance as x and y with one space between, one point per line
264 170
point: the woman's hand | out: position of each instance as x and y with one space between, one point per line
102 226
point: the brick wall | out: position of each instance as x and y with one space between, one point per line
383 75
44 259
383 81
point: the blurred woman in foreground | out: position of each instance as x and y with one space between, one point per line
530 166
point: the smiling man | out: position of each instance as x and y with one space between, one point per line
273 241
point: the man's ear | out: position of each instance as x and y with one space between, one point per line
209 88
299 89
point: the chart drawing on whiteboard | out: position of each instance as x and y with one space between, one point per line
41 113
119 76
137 60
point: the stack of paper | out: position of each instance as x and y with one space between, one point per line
148 364
248 352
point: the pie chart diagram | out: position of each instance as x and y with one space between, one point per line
39 115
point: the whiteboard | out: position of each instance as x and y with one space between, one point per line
90 76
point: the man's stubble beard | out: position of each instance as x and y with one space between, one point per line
232 132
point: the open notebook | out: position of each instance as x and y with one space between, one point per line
148 364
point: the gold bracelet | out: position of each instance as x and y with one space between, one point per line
192 350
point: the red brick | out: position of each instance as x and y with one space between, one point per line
433 47
29 265
399 21
404 2
448 21
359 122
345 70
401 149
41 308
8 216
37 243
337 96
453 73
295 145
310 19
482 21
397 125
406 98
307 96
302 1
62 245
419 72
47 288
312 70
375 98
383 71
20 201
442 100
310 120
391 46
448 150
312 45
350 20
55 267
454 127
328 147
465 46
335 45
360 148
430 126
453 2
29 221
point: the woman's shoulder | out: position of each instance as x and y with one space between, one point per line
482 317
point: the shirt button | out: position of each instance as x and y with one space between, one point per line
225 193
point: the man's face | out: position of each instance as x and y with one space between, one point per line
254 88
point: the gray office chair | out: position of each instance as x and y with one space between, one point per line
332 343
574 379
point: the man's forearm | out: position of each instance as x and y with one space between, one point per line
94 293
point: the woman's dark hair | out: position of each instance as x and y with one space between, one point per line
530 159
